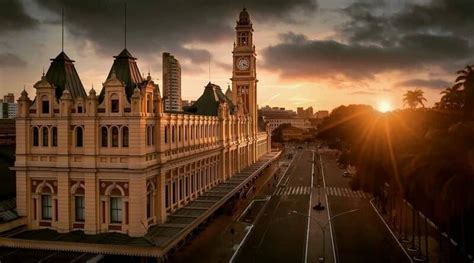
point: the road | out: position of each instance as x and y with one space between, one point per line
359 236
280 235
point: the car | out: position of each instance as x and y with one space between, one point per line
346 174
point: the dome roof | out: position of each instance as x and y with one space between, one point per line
244 17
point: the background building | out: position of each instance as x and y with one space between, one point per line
8 107
171 83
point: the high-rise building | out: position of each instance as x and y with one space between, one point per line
9 98
171 83
8 107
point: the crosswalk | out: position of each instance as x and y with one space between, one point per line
293 190
345 192
330 191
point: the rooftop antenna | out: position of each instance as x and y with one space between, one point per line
125 25
62 29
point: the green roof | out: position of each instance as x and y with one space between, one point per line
126 69
63 75
208 103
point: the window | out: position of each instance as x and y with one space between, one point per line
35 136
181 190
115 209
192 132
45 106
166 134
114 105
186 133
173 133
46 207
115 137
54 135
149 104
174 193
179 132
79 109
79 137
167 195
149 201
80 208
125 137
44 133
104 137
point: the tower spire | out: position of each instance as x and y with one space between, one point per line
62 29
125 25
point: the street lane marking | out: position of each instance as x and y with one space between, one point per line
346 192
293 190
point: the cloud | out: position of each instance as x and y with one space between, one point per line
13 16
9 60
167 25
423 83
297 56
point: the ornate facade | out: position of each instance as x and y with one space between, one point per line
117 161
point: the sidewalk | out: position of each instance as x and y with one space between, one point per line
436 246
218 242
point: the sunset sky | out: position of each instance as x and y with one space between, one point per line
310 53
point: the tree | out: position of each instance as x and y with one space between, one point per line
413 98
452 99
465 79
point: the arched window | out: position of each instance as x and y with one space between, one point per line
79 204
104 137
79 137
46 203
125 136
186 132
115 137
166 134
45 135
180 129
54 136
35 136
79 108
116 206
192 132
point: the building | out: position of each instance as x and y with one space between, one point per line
171 83
301 123
9 98
305 113
8 107
90 169
321 114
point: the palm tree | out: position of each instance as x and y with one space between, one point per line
465 79
452 99
413 98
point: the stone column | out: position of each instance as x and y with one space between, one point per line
137 205
91 203
161 198
64 199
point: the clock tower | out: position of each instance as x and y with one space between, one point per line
244 75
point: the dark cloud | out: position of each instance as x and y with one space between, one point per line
424 83
9 60
298 56
155 26
13 16
377 38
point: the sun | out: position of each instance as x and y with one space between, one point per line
384 106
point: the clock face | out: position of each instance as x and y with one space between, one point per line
243 63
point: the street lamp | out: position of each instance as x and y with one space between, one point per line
322 227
